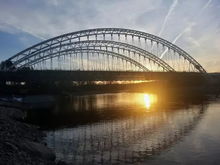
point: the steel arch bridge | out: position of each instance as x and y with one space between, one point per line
105 49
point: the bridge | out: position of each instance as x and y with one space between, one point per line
102 54
105 49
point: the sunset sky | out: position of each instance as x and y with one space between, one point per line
194 24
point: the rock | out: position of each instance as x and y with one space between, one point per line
12 146
12 113
38 150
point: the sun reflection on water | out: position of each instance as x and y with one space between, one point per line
149 100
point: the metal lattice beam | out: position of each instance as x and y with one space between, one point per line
65 52
77 36
98 44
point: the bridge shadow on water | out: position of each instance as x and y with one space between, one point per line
117 128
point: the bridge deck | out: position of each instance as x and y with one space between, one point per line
50 75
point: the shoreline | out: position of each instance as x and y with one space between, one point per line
21 142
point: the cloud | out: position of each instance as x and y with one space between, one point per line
187 29
207 5
172 7
51 18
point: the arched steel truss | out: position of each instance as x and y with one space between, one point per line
91 51
108 34
110 46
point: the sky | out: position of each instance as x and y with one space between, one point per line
193 25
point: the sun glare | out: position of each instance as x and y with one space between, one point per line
149 99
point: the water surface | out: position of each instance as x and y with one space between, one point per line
133 128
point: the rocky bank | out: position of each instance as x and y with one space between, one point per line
22 143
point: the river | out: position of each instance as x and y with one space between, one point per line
132 128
